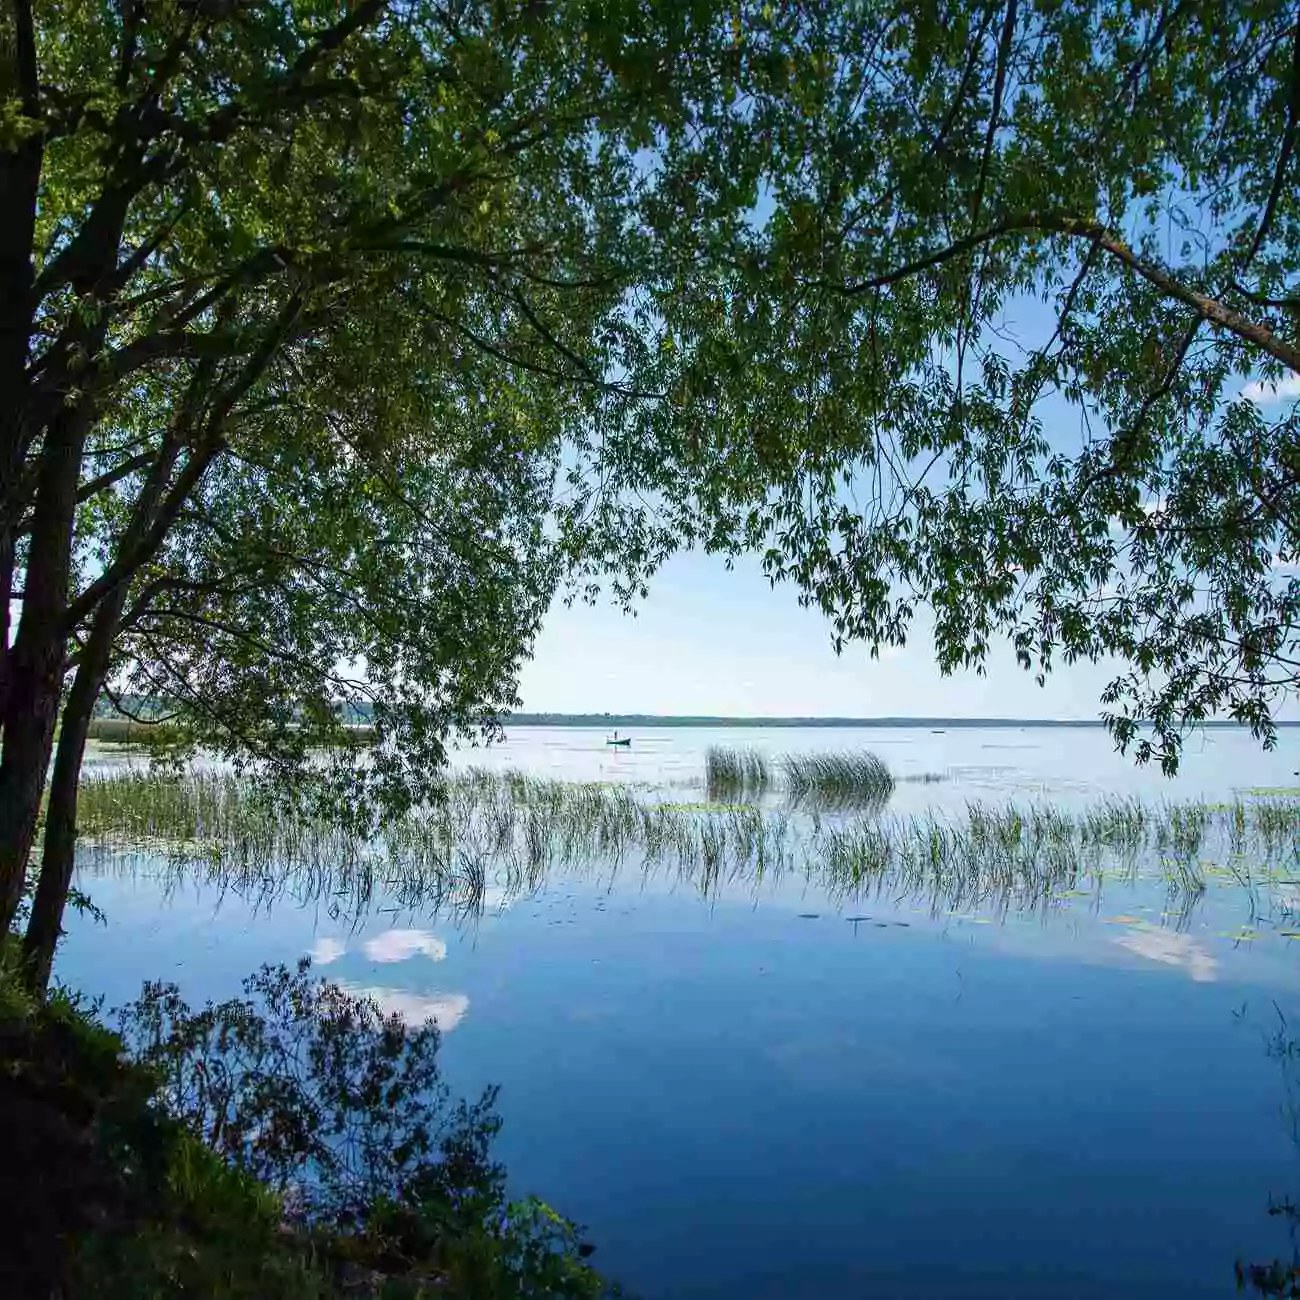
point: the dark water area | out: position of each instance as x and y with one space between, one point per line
771 1090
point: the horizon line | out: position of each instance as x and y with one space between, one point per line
542 717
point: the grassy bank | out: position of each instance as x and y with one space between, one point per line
508 831
290 1144
126 731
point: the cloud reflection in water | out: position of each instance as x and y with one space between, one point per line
446 1010
1171 949
400 945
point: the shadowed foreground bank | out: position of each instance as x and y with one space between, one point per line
292 1144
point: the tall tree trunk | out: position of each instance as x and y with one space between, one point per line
35 673
20 171
58 854
37 660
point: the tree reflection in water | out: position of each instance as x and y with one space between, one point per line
1281 1277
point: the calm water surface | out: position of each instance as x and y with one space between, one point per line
770 1092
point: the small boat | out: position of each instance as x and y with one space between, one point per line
623 742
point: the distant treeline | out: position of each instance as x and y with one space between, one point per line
144 707
624 720
708 720
151 709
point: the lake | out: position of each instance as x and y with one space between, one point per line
768 1085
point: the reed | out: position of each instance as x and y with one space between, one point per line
736 773
832 780
838 779
510 831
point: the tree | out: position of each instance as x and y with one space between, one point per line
1003 343
302 303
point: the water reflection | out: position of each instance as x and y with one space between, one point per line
1280 1277
1171 948
325 950
402 945
446 1010
391 946
1047 1085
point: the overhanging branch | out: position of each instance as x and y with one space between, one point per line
1075 227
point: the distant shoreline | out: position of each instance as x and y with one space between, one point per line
687 720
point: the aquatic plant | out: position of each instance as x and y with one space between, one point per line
845 780
838 779
735 773
506 832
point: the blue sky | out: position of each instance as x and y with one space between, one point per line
717 642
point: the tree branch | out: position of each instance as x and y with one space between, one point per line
130 560
178 345
563 349
130 32
1057 223
115 475
184 690
251 639
116 701
147 249
219 124
224 582
995 110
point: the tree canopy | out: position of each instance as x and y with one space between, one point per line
1012 335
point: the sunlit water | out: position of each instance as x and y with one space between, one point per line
772 1092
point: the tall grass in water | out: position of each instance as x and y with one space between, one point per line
838 779
508 831
735 773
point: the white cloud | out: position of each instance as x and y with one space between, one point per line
1171 949
400 945
446 1010
1266 393
324 951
